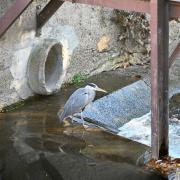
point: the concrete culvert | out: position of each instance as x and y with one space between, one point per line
46 67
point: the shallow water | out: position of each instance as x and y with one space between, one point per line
34 146
139 129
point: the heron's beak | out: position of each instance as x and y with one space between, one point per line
102 90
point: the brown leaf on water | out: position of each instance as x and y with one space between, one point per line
165 166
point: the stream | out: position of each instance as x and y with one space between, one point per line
34 146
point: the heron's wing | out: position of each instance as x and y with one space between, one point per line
77 101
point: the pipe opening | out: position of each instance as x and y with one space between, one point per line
53 66
46 67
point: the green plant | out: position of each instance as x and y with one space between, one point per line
110 58
12 107
78 78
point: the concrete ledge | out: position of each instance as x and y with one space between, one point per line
121 106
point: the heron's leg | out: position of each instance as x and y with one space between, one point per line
85 126
82 118
72 119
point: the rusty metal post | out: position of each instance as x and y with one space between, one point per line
12 14
159 77
174 9
47 12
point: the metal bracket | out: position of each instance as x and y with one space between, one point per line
46 13
174 55
38 10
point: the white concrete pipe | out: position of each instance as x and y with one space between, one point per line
46 67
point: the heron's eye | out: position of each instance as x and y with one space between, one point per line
92 85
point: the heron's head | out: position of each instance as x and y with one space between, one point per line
95 87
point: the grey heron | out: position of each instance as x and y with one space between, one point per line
78 101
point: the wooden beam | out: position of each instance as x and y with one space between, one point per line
159 77
47 12
12 14
129 5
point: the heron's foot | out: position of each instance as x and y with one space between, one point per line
85 126
66 123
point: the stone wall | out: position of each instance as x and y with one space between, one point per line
96 39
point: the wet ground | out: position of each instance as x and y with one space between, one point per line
34 146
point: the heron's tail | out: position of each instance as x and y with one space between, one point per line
61 116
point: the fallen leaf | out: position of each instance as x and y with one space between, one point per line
103 44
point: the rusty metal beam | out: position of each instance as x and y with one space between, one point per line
174 55
47 12
159 77
12 14
129 5
174 9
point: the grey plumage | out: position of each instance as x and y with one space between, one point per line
79 100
